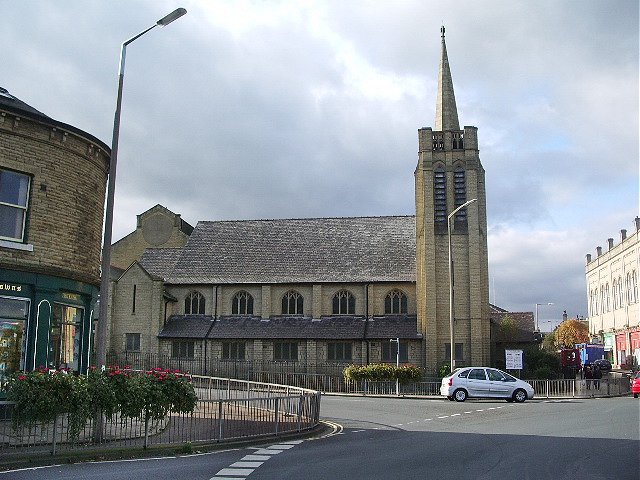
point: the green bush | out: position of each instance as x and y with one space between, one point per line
40 396
380 372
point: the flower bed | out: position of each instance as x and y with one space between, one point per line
41 395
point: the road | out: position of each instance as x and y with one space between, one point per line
383 438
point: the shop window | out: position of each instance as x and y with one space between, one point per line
233 350
13 319
395 302
132 342
65 337
194 304
14 200
344 303
242 304
285 351
339 351
182 349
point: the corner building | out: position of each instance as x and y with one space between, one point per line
52 189
321 291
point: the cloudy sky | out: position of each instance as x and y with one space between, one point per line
278 109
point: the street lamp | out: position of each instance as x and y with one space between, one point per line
101 340
451 316
536 322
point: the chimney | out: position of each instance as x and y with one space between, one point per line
588 258
599 250
623 235
610 242
637 223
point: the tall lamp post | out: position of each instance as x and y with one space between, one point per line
101 340
451 315
538 304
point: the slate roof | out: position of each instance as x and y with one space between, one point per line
160 262
187 326
291 327
525 324
13 104
354 249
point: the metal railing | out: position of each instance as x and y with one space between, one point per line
226 410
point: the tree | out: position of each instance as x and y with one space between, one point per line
549 342
571 332
508 327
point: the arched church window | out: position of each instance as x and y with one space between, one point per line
242 304
440 196
344 303
395 302
194 304
292 303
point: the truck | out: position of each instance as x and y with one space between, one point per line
590 352
570 360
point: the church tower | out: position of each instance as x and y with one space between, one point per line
448 175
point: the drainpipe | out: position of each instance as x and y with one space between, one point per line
366 319
213 322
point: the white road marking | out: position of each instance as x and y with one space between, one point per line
264 451
236 472
253 458
242 464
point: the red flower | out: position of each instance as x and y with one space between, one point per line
22 377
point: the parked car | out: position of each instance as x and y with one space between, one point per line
635 385
603 364
484 382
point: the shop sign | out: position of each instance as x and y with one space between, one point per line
71 296
10 287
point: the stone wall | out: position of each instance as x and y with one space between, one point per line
66 203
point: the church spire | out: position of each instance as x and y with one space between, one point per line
446 111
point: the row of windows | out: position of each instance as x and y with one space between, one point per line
457 142
344 303
605 300
282 351
440 195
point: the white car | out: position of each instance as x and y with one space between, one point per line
484 382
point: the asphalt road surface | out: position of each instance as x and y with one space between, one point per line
379 438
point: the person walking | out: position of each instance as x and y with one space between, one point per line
588 375
597 375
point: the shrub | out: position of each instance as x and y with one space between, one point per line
40 396
380 372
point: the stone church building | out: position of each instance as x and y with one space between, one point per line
318 291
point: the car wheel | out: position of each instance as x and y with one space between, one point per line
519 395
635 395
460 395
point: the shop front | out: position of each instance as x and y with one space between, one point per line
609 342
45 321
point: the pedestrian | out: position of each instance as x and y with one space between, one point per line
588 375
597 375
